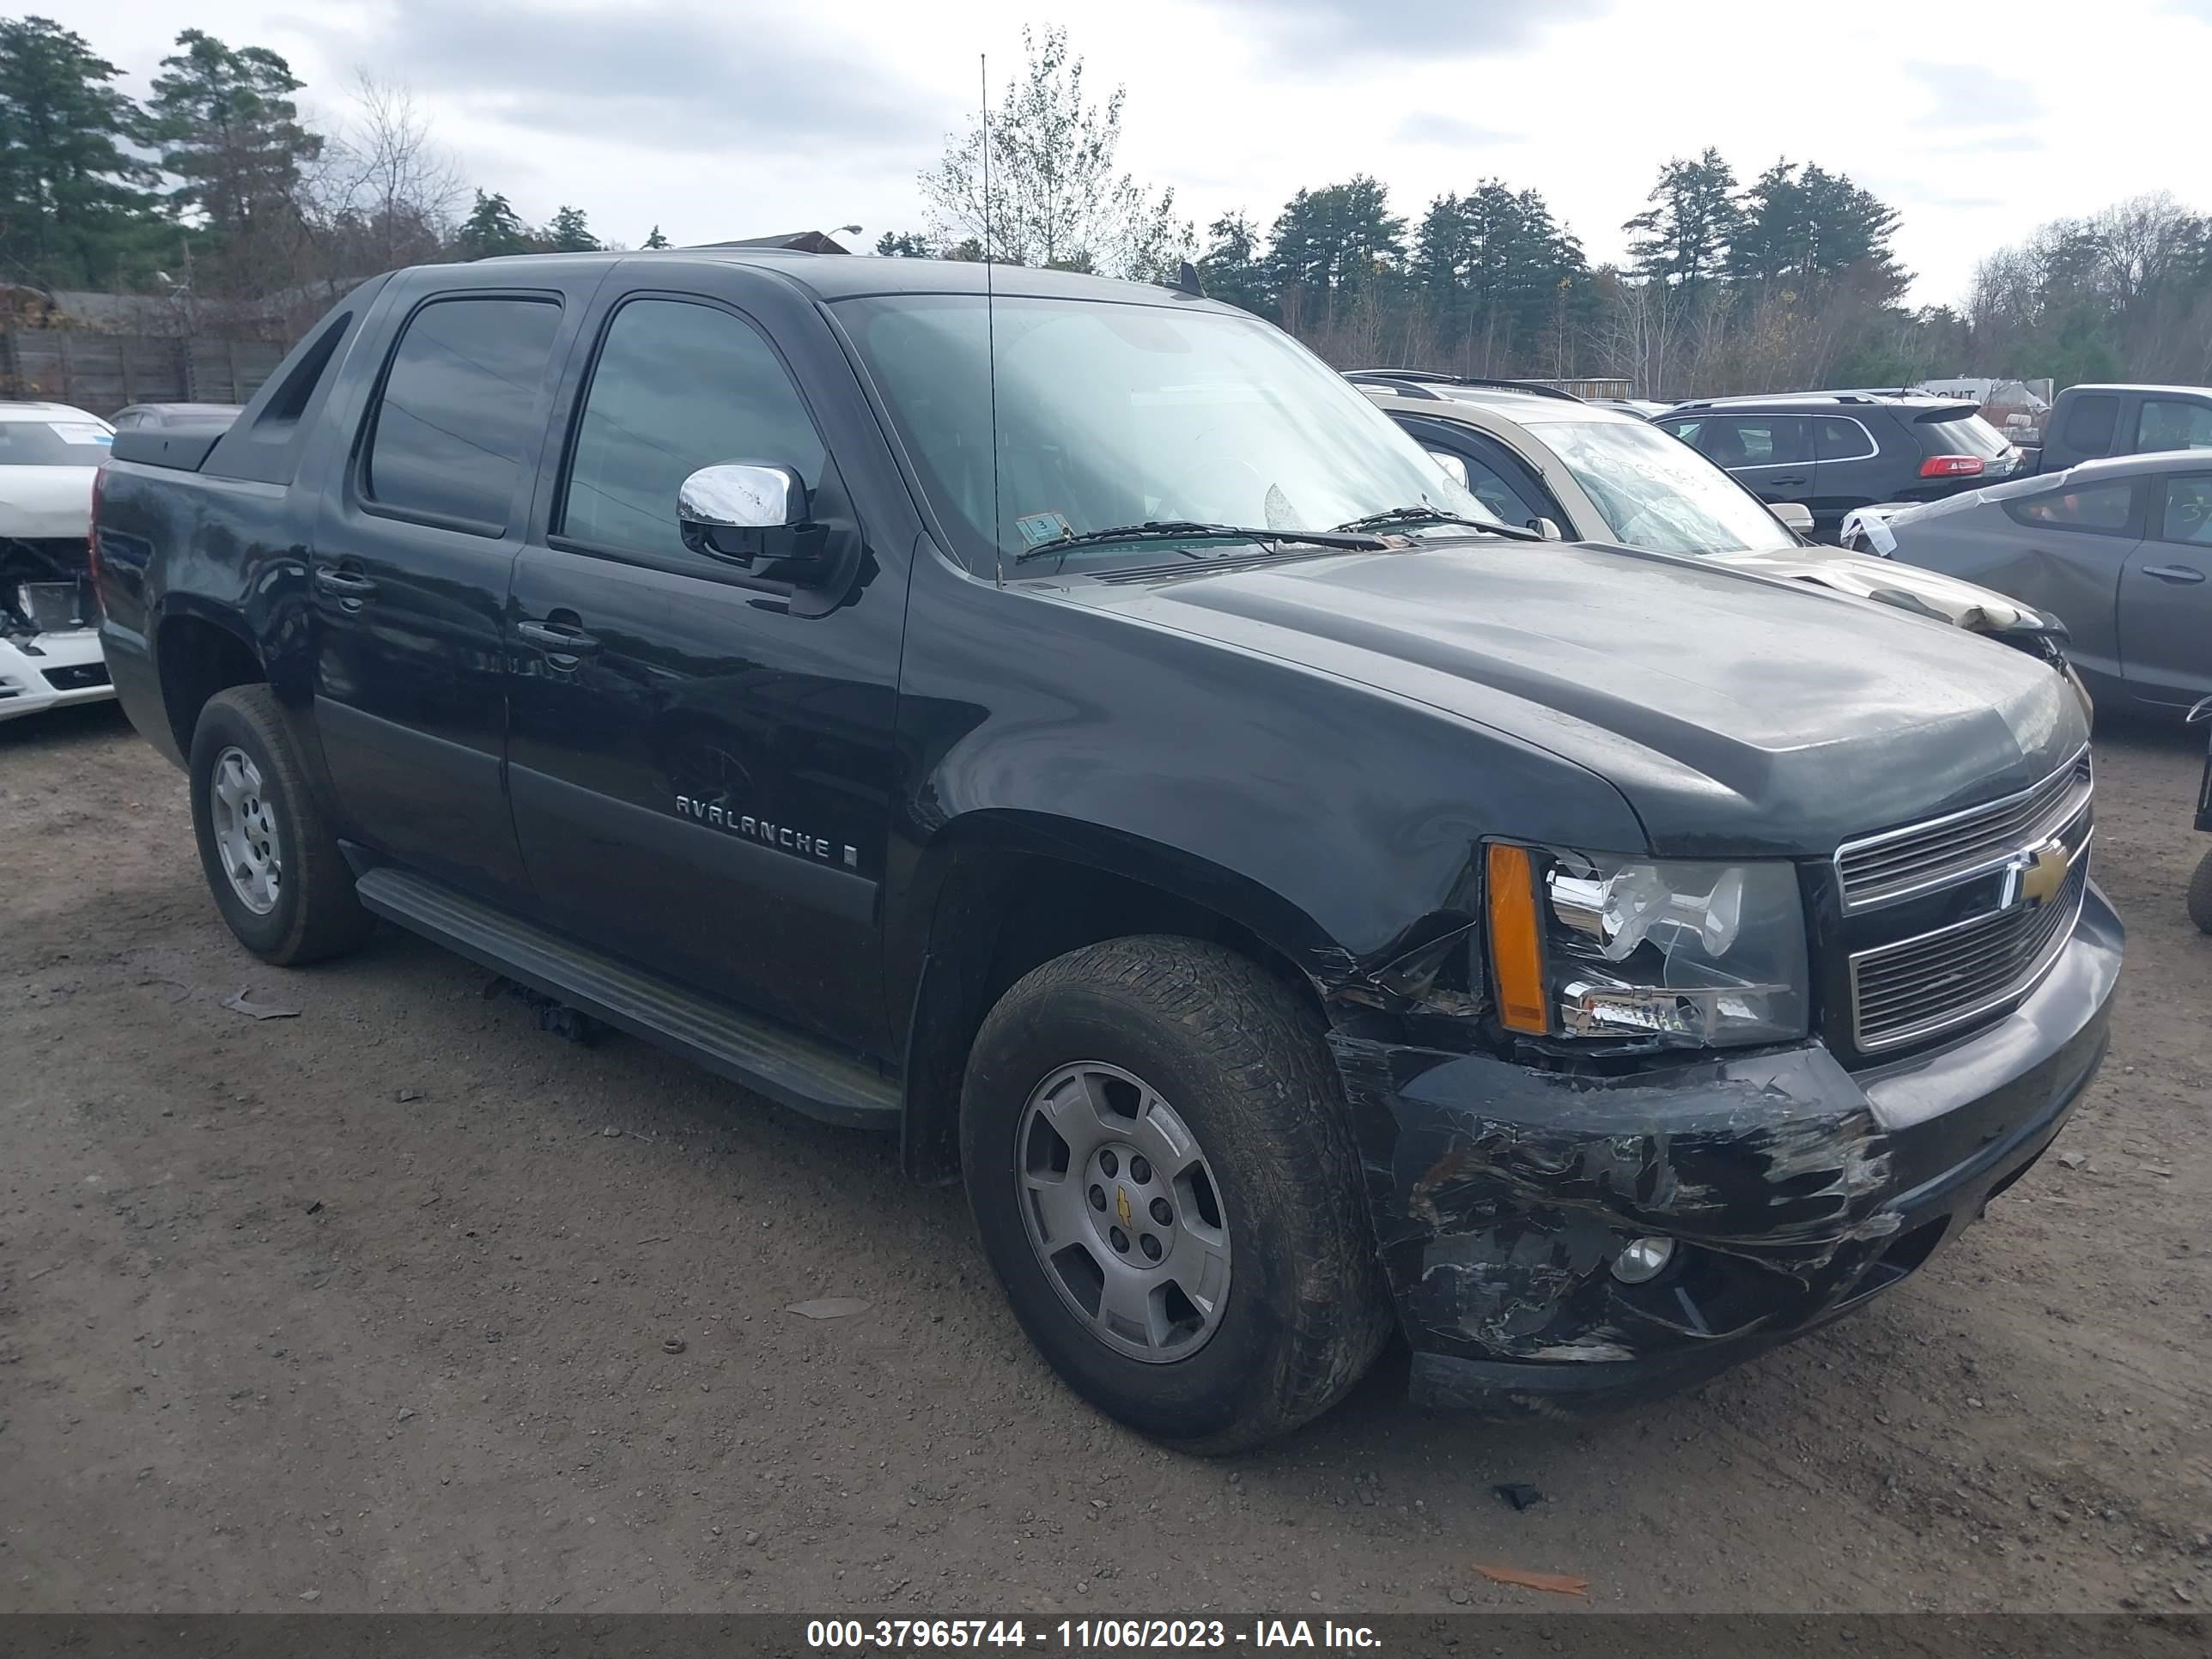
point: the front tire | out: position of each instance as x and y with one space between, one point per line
272 858
1154 1146
2200 895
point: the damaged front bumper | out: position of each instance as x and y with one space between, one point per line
1792 1190
41 672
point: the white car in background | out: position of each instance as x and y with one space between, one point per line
49 617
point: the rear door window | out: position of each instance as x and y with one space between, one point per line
457 421
1836 439
2105 508
2090 424
1757 440
2172 423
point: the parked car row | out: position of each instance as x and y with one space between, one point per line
1061 724
1545 460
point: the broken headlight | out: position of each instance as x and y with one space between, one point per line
1691 954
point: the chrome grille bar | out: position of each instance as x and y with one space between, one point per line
1901 864
1919 988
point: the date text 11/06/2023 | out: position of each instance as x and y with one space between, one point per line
1085 1635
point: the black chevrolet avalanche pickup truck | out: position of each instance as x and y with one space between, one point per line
1072 731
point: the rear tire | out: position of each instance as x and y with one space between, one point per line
2200 895
1271 1182
272 858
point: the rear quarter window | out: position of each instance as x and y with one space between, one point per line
2090 423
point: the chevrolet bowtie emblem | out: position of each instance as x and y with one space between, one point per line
2034 878
1121 1204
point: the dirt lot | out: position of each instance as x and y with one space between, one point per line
371 1309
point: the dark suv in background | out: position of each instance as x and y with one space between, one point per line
1835 451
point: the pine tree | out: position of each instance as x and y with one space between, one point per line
230 134
567 232
656 240
491 229
74 209
1684 237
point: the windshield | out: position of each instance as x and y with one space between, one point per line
1658 493
1111 415
53 443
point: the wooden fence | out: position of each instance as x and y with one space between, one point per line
102 372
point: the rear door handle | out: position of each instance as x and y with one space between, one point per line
2174 573
343 584
1790 484
558 641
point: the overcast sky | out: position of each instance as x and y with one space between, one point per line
716 119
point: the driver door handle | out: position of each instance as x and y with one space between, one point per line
564 642
342 584
2174 573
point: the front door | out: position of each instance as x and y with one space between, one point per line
2165 594
700 763
410 576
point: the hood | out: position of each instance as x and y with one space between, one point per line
42 503
1736 716
1925 592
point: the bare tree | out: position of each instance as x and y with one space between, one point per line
386 193
1055 199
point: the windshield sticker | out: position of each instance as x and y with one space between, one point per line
80 432
1038 528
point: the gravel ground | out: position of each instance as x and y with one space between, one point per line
403 1303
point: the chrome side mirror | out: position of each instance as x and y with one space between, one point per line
742 495
748 513
1795 515
1548 530
1451 465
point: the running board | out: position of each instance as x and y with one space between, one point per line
790 1068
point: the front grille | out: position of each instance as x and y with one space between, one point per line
1919 987
1899 863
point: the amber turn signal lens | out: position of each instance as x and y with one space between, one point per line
1516 956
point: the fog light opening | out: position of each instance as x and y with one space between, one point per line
1643 1260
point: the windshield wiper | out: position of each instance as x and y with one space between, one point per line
1410 515
1170 529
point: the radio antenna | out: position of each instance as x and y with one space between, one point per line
991 335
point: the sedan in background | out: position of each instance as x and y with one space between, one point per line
2119 550
49 650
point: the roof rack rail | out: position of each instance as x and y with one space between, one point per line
1417 380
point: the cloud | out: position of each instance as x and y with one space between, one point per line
1322 35
1962 95
1451 132
656 74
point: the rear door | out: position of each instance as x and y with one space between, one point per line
2165 596
409 575
1850 469
701 760
1772 454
